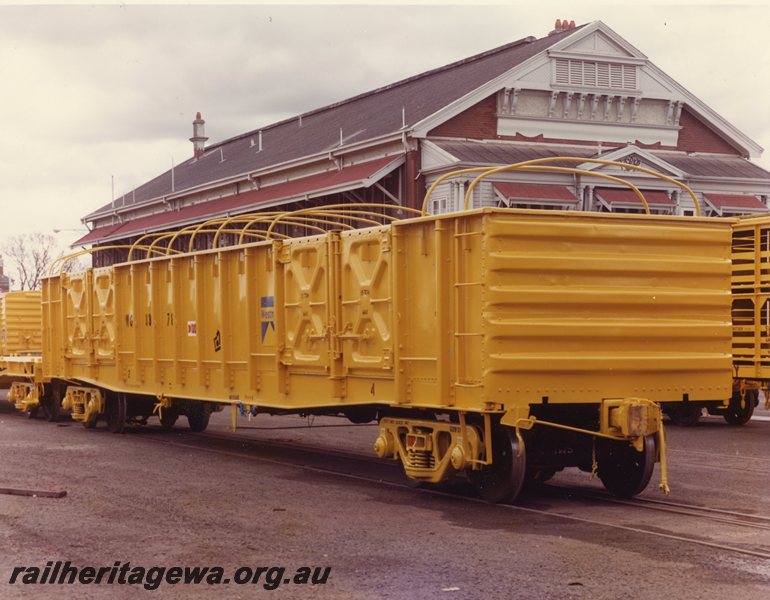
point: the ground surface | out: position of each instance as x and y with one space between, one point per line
284 494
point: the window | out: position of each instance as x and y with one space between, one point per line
594 74
440 205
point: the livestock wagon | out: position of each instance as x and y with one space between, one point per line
750 315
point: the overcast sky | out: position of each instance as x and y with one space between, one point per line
89 93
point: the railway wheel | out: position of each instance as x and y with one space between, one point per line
115 412
168 418
198 415
502 480
741 408
51 403
624 471
32 412
684 414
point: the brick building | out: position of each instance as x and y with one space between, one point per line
583 92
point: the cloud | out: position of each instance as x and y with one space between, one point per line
92 92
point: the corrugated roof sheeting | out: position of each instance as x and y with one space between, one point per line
620 196
97 234
505 153
356 174
525 192
721 201
501 153
721 166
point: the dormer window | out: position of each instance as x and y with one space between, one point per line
594 74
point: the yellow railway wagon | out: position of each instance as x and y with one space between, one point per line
22 343
470 336
20 323
751 316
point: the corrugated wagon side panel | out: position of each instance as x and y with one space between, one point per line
579 309
21 323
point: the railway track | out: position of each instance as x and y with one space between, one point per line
751 464
351 465
690 510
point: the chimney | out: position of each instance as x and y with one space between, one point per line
199 136
562 25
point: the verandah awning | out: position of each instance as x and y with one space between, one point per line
534 193
626 197
735 203
348 178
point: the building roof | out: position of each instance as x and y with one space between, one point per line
502 153
360 175
375 114
715 166
505 153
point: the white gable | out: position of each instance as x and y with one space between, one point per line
599 43
596 38
591 85
632 155
434 157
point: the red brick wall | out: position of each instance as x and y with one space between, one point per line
478 122
694 136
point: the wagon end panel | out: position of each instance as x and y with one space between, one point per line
436 297
578 308
20 323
